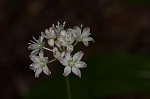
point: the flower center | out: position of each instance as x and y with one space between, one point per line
71 63
80 38
39 46
42 63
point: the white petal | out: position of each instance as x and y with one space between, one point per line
33 46
63 43
63 33
51 42
68 56
34 70
76 71
53 33
34 52
67 71
80 64
61 56
46 31
77 30
70 32
88 39
41 38
31 67
35 66
78 56
86 43
47 35
46 70
56 53
64 61
70 48
86 32
45 59
34 58
37 72
41 54
55 49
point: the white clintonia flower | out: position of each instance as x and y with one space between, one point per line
73 63
39 64
67 38
83 36
37 45
50 35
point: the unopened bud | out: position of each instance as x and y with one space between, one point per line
51 42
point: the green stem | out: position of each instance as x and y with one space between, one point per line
60 49
75 43
47 49
68 87
51 61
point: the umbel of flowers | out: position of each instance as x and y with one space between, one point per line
61 43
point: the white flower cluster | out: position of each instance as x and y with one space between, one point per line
61 43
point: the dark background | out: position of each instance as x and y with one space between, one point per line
118 61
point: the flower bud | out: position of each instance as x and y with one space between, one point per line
63 33
51 42
57 43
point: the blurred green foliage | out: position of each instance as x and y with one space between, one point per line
106 75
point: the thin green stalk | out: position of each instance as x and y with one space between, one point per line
51 61
68 87
75 43
47 49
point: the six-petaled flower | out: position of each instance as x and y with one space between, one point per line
37 45
83 36
39 64
73 63
50 35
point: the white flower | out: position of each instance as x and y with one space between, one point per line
59 27
37 45
57 54
50 35
84 36
63 33
73 63
39 64
67 39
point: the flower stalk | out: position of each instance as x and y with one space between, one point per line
47 49
68 87
51 61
